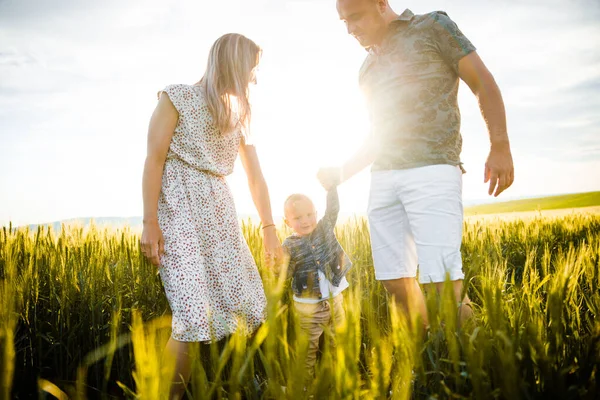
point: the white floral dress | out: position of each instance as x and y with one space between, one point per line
210 278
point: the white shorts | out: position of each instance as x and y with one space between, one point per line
416 218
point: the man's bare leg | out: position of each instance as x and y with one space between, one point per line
409 296
465 311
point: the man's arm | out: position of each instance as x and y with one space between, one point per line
365 156
460 54
362 159
499 169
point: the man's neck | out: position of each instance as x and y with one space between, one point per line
389 17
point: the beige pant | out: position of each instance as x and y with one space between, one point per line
313 319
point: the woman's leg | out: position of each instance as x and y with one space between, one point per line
183 367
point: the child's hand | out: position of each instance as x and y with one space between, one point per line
329 177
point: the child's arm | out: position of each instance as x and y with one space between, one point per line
288 263
333 206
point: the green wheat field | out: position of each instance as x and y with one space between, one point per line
83 315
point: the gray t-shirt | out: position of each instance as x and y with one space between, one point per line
411 84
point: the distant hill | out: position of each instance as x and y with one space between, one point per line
575 200
100 221
116 222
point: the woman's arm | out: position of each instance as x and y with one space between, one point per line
262 202
160 131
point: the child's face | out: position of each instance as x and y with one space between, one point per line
301 216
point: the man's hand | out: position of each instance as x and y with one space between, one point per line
499 169
329 177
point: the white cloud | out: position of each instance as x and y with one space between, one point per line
79 80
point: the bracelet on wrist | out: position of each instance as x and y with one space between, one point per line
268 225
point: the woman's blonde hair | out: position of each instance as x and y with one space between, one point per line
231 61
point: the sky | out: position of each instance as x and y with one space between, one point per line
78 83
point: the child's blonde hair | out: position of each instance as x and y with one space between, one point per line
293 198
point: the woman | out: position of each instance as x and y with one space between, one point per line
191 228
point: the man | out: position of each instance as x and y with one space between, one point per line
410 80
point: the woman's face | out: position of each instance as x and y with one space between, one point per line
253 75
254 72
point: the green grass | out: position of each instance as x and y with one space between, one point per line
542 203
83 313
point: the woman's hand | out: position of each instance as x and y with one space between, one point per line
152 243
273 249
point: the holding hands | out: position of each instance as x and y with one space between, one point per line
272 245
329 177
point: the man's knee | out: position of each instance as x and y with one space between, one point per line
401 288
456 286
